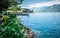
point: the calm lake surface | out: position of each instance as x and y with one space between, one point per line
46 25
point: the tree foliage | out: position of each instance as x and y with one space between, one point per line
11 26
6 3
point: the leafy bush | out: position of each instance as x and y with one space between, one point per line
11 27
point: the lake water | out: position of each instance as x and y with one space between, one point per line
46 25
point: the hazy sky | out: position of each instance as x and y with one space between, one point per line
39 3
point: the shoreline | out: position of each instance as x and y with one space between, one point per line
30 33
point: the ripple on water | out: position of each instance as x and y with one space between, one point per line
46 25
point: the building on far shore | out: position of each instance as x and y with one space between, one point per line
25 10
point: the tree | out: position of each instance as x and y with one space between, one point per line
4 4
11 26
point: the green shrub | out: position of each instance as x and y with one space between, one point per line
11 27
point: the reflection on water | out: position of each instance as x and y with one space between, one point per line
46 25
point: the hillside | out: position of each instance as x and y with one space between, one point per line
54 8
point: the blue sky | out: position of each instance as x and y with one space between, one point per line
39 3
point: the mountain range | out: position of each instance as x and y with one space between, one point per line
53 8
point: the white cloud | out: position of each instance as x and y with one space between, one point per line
37 5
